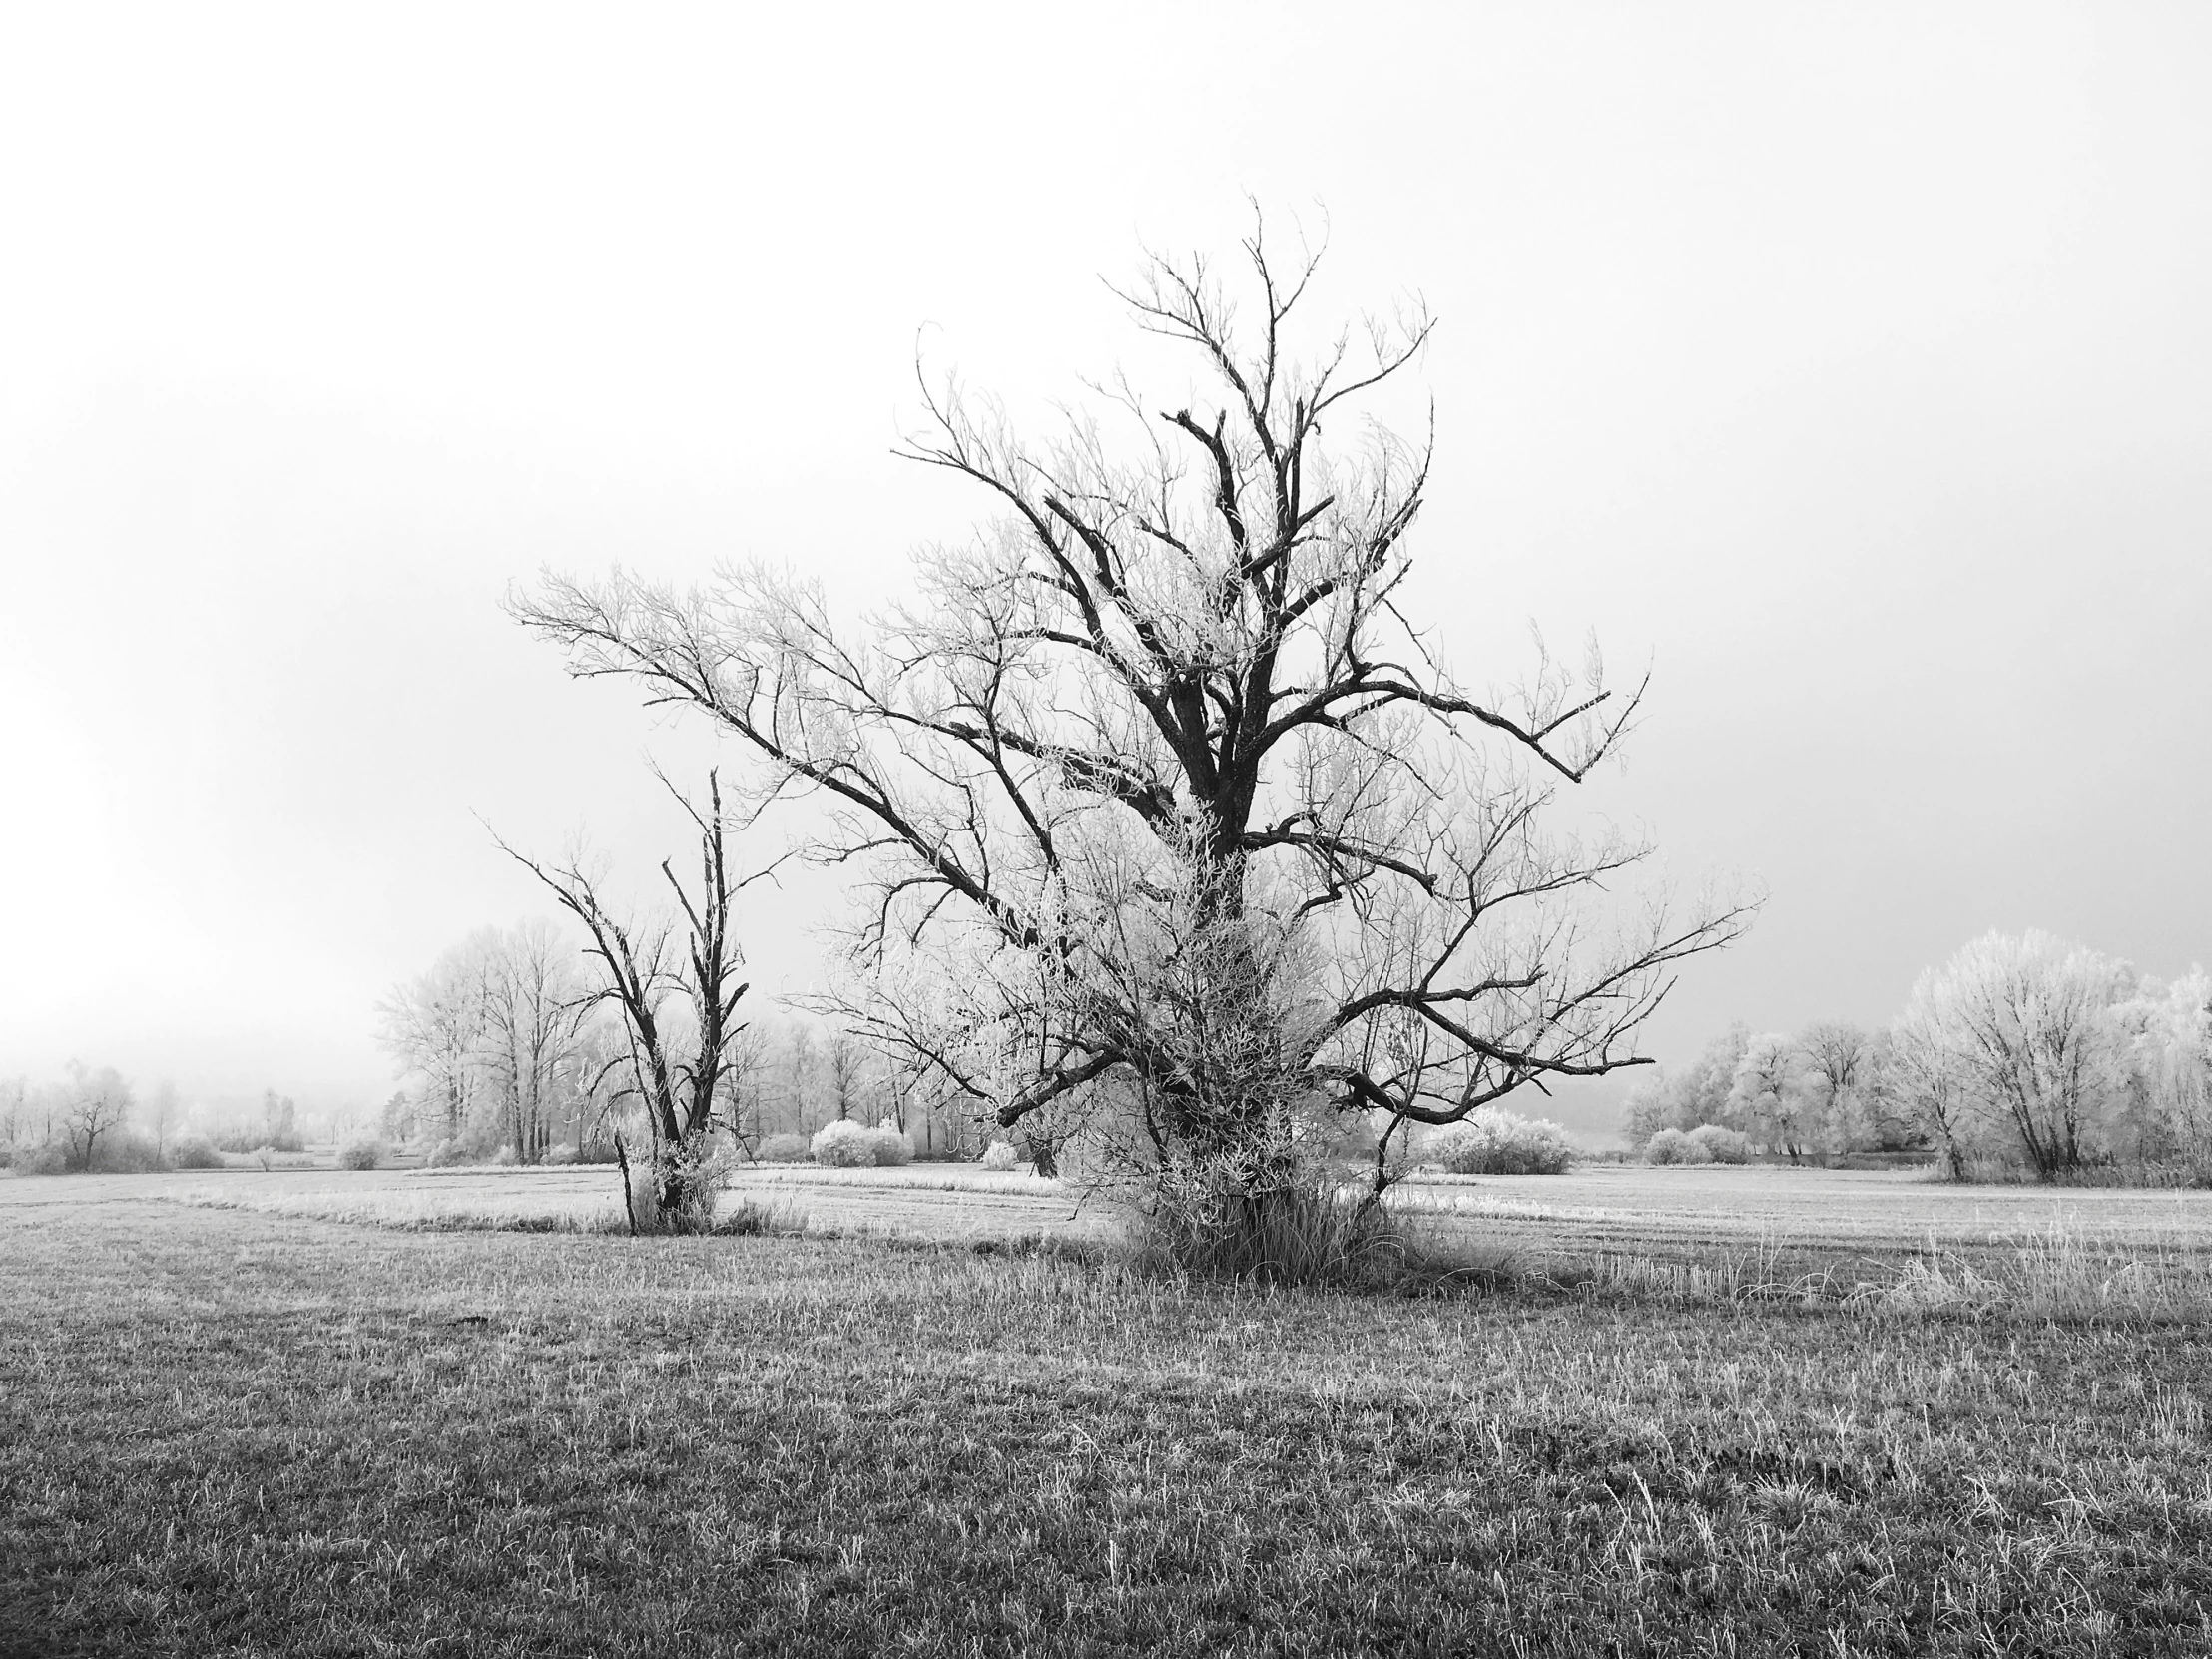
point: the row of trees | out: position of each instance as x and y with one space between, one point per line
2021 1048
93 1119
506 1041
1820 1091
496 1042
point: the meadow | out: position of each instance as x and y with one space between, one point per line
450 1413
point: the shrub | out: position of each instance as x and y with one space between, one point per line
196 1152
123 1153
784 1149
1722 1146
847 1145
50 1159
1672 1146
447 1153
365 1152
1000 1155
843 1145
252 1142
1496 1142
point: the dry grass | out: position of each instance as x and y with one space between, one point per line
232 1431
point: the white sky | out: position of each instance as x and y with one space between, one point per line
1850 362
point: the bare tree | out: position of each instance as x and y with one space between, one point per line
595 1089
646 973
1171 699
746 1087
1839 1072
1774 1095
2170 1031
162 1113
846 1065
97 1103
2024 1027
802 1075
15 1115
435 1026
1928 1079
534 1007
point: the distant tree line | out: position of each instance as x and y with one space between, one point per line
94 1121
2023 1052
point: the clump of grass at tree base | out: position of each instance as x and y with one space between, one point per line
674 1189
1305 1228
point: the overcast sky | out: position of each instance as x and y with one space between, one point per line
1853 364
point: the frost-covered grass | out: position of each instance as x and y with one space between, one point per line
223 1431
1892 1211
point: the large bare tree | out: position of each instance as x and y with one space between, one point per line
1162 794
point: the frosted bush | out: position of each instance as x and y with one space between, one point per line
844 1145
1672 1146
1000 1155
365 1153
196 1152
1496 1142
782 1149
1722 1146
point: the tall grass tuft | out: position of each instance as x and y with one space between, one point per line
1311 1230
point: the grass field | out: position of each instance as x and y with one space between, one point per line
240 1424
